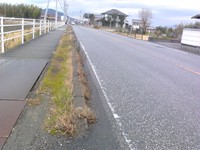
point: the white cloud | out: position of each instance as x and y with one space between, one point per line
167 12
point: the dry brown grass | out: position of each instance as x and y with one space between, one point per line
62 121
137 36
83 77
17 41
58 82
33 101
14 42
86 113
67 124
63 117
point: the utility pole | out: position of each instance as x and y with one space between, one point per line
65 10
45 16
56 15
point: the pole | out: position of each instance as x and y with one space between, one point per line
40 27
2 36
45 16
22 30
56 15
33 28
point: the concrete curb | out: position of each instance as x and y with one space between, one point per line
78 97
192 49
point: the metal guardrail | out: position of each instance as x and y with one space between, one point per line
24 27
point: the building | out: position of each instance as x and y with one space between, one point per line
196 16
93 19
113 18
136 24
191 37
98 20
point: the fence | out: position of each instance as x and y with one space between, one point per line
21 28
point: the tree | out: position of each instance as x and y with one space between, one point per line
179 30
91 17
20 11
145 16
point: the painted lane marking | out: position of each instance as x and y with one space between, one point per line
166 60
178 65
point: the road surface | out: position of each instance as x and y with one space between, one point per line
152 91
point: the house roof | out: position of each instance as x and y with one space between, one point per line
115 12
196 16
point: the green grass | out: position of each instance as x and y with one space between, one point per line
58 82
63 116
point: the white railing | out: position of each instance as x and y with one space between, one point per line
12 28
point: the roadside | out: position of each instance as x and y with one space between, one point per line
20 69
125 33
178 46
175 45
30 132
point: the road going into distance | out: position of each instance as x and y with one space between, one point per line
152 91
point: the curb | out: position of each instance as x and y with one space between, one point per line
78 97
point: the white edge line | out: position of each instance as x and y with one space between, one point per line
115 115
173 49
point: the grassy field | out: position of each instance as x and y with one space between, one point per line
10 44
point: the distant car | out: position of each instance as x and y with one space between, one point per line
72 23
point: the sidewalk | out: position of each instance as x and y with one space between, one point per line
19 70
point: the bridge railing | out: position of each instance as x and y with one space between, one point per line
15 31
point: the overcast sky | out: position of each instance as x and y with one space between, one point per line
165 12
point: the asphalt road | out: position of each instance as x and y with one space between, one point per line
152 91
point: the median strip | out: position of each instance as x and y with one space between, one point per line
68 113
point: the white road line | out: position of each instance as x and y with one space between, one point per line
166 47
115 115
179 51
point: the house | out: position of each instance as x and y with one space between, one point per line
113 18
196 16
191 37
93 19
136 24
98 19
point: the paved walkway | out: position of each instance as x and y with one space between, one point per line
19 70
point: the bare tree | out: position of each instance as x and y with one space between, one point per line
145 15
179 30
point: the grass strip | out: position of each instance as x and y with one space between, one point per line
58 83
63 116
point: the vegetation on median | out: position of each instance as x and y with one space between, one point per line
57 83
